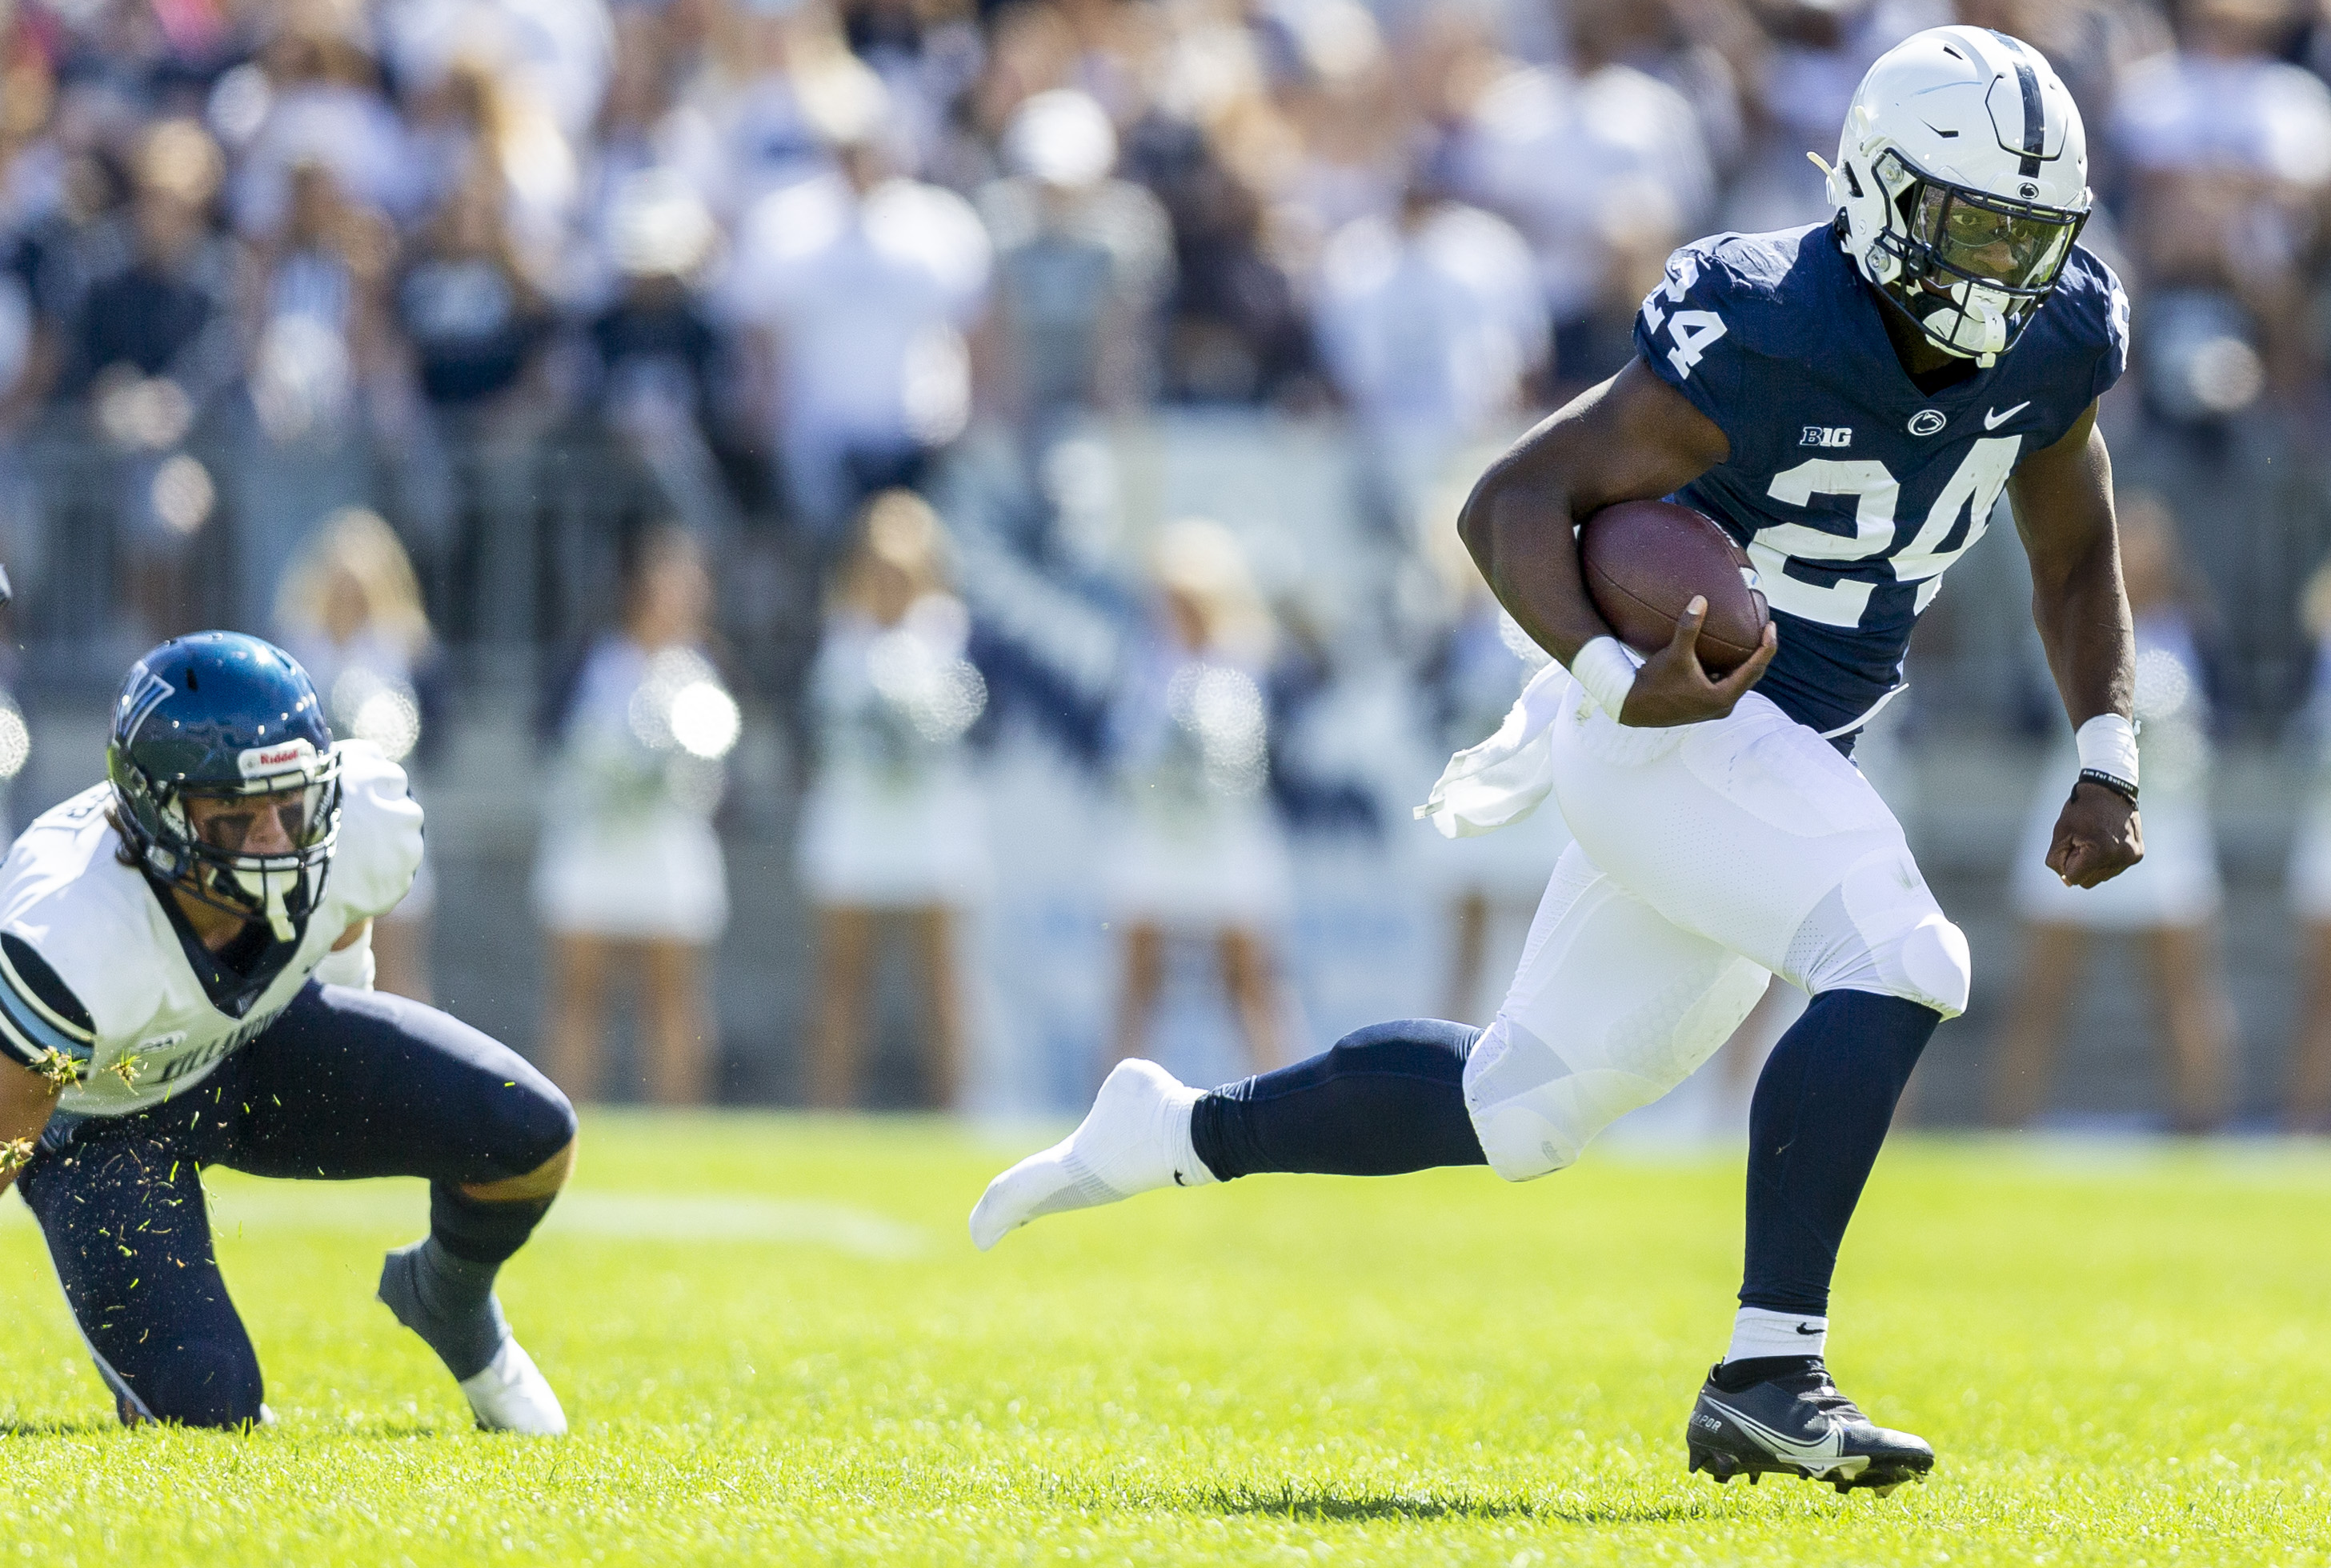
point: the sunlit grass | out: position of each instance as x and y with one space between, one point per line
776 1345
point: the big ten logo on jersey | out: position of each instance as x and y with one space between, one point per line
1691 331
1832 435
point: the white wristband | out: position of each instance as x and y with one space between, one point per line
1607 670
2108 744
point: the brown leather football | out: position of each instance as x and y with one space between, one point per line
1645 560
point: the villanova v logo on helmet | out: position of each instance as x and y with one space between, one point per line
147 692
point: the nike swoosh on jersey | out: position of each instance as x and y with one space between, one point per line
1831 1448
1993 421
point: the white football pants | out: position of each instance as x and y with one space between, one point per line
1706 857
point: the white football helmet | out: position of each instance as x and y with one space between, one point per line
1963 176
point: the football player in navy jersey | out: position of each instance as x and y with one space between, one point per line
1849 401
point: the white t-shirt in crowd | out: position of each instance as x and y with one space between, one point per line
2262 117
1568 158
1434 326
351 130
869 296
557 52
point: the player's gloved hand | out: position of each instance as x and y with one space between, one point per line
1673 689
2097 836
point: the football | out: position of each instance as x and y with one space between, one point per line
1645 560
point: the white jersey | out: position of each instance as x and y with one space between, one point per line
151 1029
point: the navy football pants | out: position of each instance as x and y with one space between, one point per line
345 1084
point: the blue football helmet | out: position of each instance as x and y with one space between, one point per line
221 716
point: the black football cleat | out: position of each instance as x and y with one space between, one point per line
1799 1425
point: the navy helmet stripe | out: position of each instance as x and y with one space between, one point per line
2035 118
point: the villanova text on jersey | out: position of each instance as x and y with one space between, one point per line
1852 490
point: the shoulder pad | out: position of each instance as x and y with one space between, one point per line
379 850
2096 305
1731 295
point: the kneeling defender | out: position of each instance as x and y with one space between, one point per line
184 980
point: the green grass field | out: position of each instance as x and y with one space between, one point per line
777 1345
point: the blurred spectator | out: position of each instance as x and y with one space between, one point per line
1237 332
473 126
153 344
316 318
860 289
318 309
554 55
756 118
1603 174
2228 154
1431 320
32 190
2307 1105
892 830
634 135
1800 76
629 874
1083 262
2171 899
1197 851
657 355
1432 324
474 318
314 97
350 610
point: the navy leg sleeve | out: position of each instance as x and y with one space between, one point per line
345 1084
360 1083
122 1213
1822 1106
350 1084
1385 1100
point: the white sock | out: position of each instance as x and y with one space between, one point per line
1189 1171
1756 1333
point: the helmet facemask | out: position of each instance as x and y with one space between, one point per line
202 846
1969 267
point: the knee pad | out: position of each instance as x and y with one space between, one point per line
1526 1103
1535 1108
1934 966
1880 930
532 1121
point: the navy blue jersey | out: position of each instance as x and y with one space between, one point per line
1852 490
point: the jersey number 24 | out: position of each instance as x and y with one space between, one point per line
1828 595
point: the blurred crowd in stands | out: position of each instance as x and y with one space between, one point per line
733 360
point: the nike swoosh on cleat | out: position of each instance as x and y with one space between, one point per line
1828 1451
1991 420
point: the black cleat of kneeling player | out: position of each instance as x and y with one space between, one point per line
1795 1421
